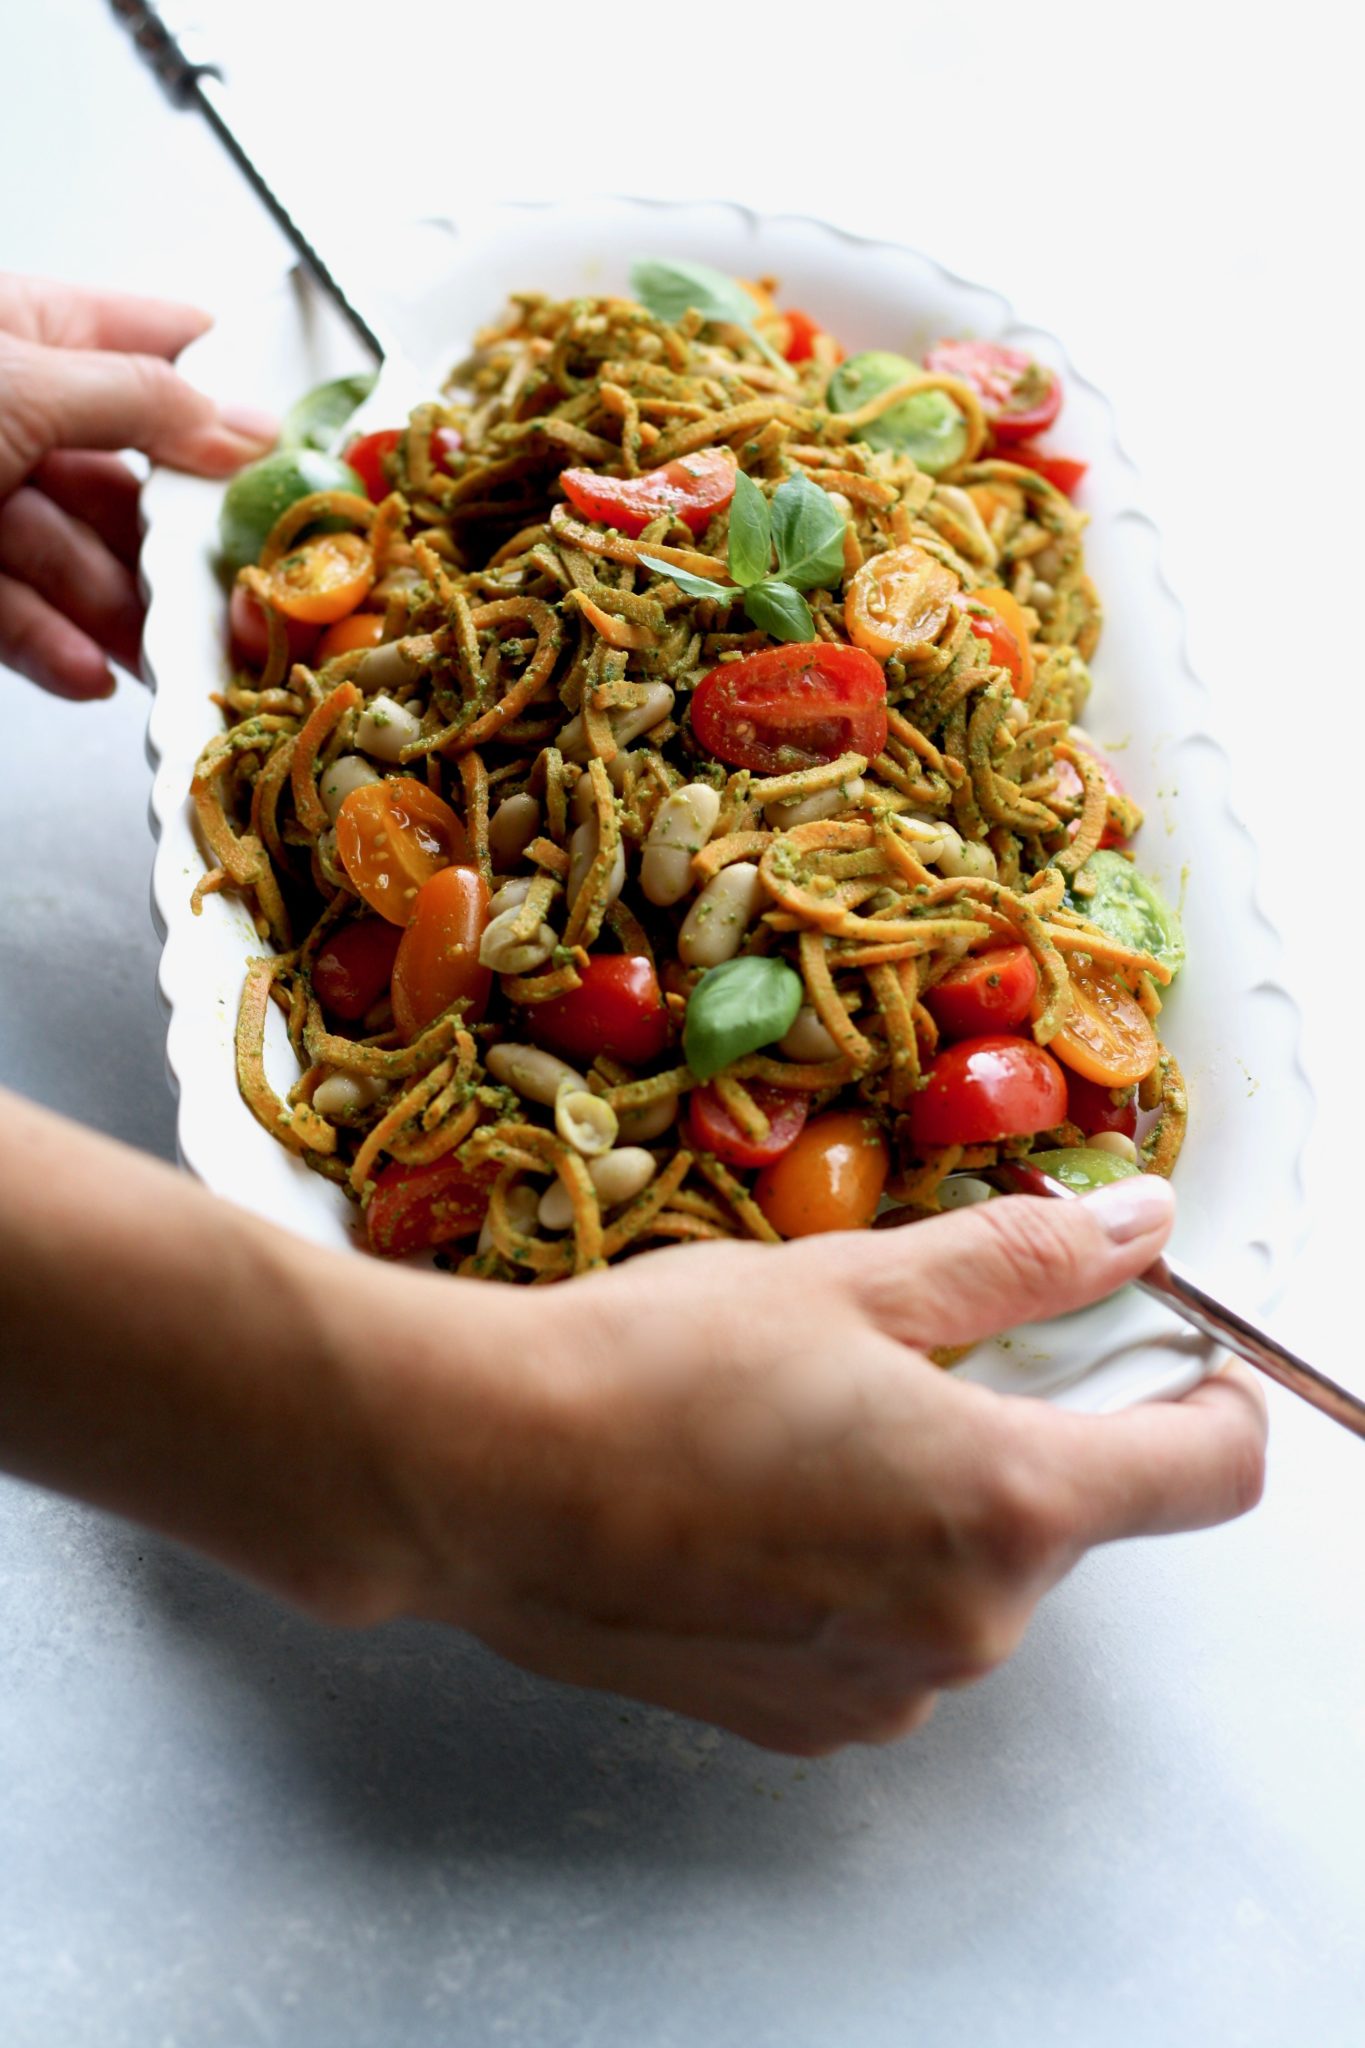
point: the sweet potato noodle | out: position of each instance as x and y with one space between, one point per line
534 667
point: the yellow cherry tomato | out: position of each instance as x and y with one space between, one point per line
831 1178
898 601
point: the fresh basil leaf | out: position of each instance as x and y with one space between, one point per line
751 534
778 609
736 1008
671 289
691 586
808 532
316 419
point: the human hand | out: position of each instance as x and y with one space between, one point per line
82 373
728 1480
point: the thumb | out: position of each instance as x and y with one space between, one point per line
953 1279
90 398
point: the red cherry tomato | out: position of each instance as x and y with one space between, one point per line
985 1089
987 992
1093 1108
695 487
617 1010
438 955
1019 395
366 457
801 334
250 635
391 837
830 1179
996 616
711 1128
352 969
1063 472
415 1207
1070 786
1005 649
792 707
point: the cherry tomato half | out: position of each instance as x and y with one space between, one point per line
830 1179
1070 786
250 635
1063 472
694 487
792 707
986 992
711 1128
366 456
898 601
1108 1036
438 954
617 1010
352 969
1019 395
358 629
1093 1109
415 1207
801 336
392 836
985 1089
998 617
322 579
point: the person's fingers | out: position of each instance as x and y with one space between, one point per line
956 1278
61 315
70 398
47 648
101 490
70 567
1164 1466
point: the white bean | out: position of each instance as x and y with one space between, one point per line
638 1126
618 1176
804 810
1018 714
626 724
537 1075
682 825
521 1214
582 854
930 837
343 1094
970 857
512 827
346 773
505 953
385 728
509 895
962 1191
386 668
1114 1141
808 1040
584 1120
714 927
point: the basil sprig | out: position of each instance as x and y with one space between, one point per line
669 290
736 1008
803 526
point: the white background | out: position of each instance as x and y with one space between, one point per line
1165 1797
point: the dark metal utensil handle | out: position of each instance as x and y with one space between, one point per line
184 82
1166 1284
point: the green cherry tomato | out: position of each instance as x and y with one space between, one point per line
316 419
257 495
1130 909
926 426
1082 1167
736 1008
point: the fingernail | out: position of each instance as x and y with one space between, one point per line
1130 1208
260 428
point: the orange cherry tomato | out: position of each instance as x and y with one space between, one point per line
415 1207
899 600
438 954
392 836
1011 649
323 579
360 629
1108 1036
831 1178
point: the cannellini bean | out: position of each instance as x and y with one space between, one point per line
618 1176
509 895
808 1039
521 1211
582 854
346 773
1113 1141
682 825
584 1120
804 810
329 861
512 827
715 925
930 837
970 857
386 667
1018 715
537 1075
962 1191
626 724
385 728
638 1126
505 953
344 1094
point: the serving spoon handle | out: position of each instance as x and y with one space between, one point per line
1184 1297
